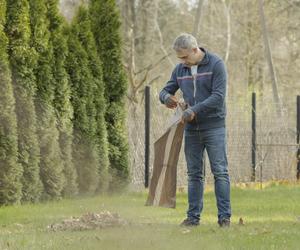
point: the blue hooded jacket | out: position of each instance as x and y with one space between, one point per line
204 93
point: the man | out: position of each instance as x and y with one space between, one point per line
202 78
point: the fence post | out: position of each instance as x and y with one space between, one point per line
253 148
147 135
298 137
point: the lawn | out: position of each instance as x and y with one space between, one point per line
271 221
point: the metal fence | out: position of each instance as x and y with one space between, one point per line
275 147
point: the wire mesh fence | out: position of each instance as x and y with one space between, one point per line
275 141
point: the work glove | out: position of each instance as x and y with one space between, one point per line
188 115
171 101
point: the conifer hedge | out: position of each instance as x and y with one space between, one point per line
23 59
51 166
62 101
87 40
106 29
10 169
62 95
85 150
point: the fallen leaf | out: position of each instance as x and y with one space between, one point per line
241 222
186 231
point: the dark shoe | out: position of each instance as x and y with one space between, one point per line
189 223
224 222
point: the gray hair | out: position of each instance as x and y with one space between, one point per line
185 41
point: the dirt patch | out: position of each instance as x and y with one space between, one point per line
89 221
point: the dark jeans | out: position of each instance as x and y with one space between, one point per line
214 141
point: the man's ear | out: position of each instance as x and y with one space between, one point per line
195 50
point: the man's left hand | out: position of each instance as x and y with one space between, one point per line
188 115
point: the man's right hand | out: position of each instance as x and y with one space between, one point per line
171 102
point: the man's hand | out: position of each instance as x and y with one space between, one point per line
171 102
187 116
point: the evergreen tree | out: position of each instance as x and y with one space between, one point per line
23 60
62 91
85 151
10 169
50 163
106 30
86 38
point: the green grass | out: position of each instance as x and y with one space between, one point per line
271 217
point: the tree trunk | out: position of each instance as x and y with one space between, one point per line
228 18
148 17
269 58
197 18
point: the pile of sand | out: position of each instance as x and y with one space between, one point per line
89 221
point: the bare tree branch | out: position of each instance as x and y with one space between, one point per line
162 44
153 65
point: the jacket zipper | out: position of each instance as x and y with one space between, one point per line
195 90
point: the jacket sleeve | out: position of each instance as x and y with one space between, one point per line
170 88
217 97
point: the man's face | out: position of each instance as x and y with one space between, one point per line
187 56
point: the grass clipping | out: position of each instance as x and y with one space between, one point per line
89 221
